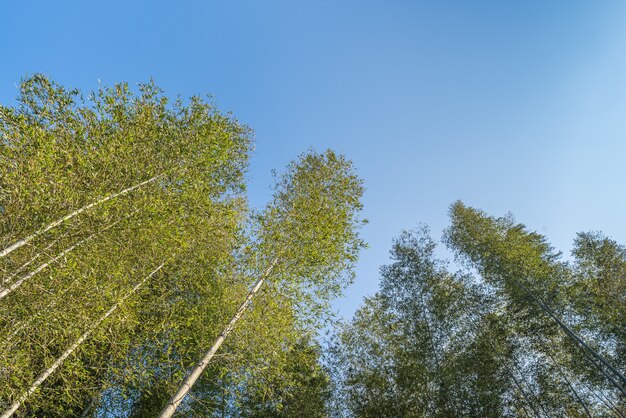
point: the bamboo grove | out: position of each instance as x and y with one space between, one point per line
127 246
136 281
516 332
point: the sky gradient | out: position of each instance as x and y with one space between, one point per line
508 106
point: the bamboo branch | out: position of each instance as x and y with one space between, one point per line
521 389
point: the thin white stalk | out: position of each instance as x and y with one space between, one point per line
29 262
16 329
59 361
59 221
5 291
191 379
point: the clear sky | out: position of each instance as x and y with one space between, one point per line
508 106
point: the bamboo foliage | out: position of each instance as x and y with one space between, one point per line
309 236
26 240
521 264
95 191
98 190
59 361
514 333
14 285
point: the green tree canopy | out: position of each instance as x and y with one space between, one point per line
517 332
126 244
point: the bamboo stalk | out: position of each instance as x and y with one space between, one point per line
585 347
195 373
59 361
59 221
28 263
5 291
16 329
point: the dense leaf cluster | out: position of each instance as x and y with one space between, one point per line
495 339
96 192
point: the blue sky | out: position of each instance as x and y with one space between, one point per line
508 106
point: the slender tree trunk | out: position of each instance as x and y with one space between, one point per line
5 291
606 401
530 389
59 361
521 390
59 295
569 384
580 401
29 262
523 407
59 221
191 379
575 337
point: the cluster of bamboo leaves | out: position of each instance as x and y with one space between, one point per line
513 333
127 245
